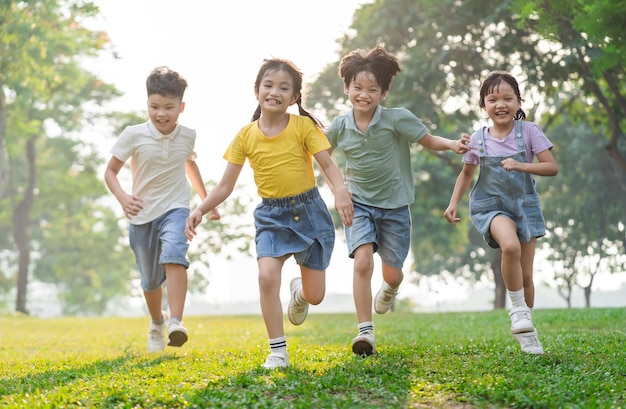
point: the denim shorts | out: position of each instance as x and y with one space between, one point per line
388 229
300 225
161 241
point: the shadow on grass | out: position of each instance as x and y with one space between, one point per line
380 381
51 379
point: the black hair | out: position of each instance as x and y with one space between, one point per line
491 84
277 64
166 82
383 65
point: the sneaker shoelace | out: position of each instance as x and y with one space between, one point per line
390 293
521 315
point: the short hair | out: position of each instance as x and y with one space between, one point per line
383 65
166 82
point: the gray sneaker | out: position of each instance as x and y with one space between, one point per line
364 344
529 342
384 298
521 320
276 361
296 312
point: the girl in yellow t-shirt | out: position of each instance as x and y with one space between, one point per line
292 218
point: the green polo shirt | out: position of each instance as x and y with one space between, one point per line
378 162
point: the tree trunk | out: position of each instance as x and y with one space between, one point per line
4 158
21 228
499 301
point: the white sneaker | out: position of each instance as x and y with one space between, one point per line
384 298
521 320
156 337
296 312
364 344
177 334
529 342
276 361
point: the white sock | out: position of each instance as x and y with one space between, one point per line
366 326
279 345
517 298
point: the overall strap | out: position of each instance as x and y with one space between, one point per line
519 136
482 151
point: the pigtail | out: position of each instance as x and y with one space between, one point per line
304 112
257 113
520 114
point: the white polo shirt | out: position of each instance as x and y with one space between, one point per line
157 164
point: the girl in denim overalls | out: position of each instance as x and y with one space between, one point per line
504 204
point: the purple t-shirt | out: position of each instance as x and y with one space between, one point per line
534 138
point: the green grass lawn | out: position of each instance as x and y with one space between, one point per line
446 360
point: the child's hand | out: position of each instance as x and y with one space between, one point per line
214 214
131 205
194 219
461 146
510 164
451 214
344 206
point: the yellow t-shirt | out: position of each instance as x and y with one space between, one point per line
283 164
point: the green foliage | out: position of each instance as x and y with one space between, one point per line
447 360
585 204
569 59
50 186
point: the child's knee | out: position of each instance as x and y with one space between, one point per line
314 297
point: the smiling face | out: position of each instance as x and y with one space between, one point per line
501 103
164 112
364 93
275 92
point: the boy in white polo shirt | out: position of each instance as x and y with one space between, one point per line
162 156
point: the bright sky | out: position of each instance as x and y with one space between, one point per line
219 47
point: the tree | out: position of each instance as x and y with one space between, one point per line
44 87
587 212
589 39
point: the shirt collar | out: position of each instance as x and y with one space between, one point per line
378 113
156 134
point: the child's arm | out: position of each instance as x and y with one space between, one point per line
463 182
332 174
131 205
193 173
217 195
437 143
546 165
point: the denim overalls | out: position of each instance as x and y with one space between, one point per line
509 193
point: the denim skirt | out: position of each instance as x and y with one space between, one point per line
298 225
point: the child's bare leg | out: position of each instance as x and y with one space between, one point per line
153 302
313 285
528 259
504 231
269 291
176 289
362 281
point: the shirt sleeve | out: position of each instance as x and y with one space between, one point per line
539 142
471 157
236 152
314 139
123 147
409 125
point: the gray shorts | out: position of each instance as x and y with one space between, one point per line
161 241
388 229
